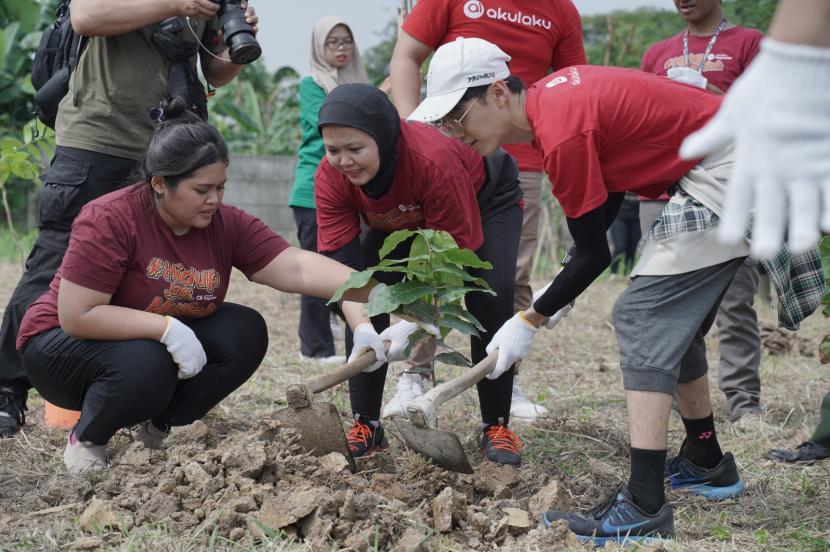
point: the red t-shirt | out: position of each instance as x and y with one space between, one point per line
733 51
538 36
606 129
120 246
435 184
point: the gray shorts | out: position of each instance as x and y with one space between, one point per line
661 322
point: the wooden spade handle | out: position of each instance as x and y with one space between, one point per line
347 371
452 388
299 395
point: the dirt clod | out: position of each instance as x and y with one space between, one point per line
86 543
518 521
552 495
97 516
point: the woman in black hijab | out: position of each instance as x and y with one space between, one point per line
393 175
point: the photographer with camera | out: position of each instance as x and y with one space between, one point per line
139 52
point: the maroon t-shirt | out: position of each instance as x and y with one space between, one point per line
121 246
435 184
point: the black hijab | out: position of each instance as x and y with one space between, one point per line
366 108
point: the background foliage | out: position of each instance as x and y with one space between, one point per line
258 113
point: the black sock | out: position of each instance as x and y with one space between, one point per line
702 446
646 483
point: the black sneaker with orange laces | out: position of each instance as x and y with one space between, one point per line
365 438
500 445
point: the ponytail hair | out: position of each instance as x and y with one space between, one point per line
181 144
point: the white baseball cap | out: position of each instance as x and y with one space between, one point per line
455 67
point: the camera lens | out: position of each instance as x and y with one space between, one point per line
239 36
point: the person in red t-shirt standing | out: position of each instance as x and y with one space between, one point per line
134 328
604 131
711 53
399 176
540 36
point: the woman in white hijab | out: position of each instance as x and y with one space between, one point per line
335 60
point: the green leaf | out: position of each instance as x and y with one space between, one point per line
420 310
459 312
453 358
419 256
824 253
403 293
414 339
456 323
761 536
393 240
355 280
463 274
442 242
454 294
465 257
824 350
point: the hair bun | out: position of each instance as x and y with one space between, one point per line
173 110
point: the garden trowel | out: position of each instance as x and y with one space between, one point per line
420 431
319 422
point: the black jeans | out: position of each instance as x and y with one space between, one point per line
501 245
625 235
75 178
116 384
315 332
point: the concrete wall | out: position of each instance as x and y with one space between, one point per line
262 186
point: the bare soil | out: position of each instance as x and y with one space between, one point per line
239 481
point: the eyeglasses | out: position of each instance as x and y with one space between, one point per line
453 127
334 44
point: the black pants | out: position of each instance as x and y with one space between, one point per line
315 332
625 235
75 178
501 244
116 384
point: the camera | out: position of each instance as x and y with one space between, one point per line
182 79
239 36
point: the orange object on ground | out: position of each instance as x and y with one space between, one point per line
58 417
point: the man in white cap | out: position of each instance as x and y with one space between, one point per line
604 131
540 36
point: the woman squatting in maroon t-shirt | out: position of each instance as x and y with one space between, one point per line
396 176
134 328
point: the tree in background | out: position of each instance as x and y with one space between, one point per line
621 38
22 147
259 113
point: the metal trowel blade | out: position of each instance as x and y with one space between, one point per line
321 429
442 447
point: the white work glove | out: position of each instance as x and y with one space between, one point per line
366 338
778 115
184 347
399 333
553 320
687 75
513 341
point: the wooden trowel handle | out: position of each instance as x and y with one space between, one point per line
347 371
452 388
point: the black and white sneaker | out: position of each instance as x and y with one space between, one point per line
718 483
365 438
12 412
618 520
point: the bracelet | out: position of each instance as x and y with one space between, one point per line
524 319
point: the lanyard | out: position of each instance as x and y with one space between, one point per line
708 46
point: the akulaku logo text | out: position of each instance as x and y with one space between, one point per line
474 9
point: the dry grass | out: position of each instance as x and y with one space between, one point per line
583 442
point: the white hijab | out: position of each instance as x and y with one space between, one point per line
324 74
